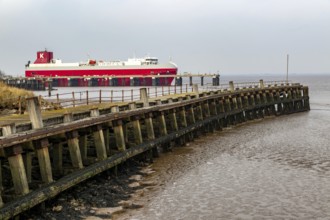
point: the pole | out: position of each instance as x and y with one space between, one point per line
287 68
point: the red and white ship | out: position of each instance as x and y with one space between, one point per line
103 73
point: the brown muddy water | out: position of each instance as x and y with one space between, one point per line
276 168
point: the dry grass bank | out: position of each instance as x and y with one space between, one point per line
9 97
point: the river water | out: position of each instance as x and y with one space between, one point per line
275 168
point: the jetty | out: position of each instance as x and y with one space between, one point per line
39 83
65 147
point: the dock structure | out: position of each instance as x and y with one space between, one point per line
38 83
54 147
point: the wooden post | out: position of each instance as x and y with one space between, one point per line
98 137
195 90
100 96
73 100
41 146
182 116
191 113
118 130
87 99
148 116
172 116
73 143
16 163
136 126
161 121
231 86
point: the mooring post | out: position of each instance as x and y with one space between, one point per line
41 146
73 144
16 163
136 125
118 130
98 137
231 86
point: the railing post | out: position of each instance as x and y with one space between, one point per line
73 100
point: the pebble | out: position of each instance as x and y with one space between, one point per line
134 185
136 177
57 208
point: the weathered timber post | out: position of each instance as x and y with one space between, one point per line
231 86
261 84
161 121
135 120
148 116
172 116
98 137
191 114
279 103
118 130
73 144
83 144
195 90
271 102
182 116
16 163
41 146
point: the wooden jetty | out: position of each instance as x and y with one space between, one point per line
44 83
63 149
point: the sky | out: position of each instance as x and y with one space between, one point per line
200 36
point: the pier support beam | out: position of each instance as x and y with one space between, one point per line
135 120
118 130
98 137
16 164
73 144
41 146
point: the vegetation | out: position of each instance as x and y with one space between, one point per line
9 98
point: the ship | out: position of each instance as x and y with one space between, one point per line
135 71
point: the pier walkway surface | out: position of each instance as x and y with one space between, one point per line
44 153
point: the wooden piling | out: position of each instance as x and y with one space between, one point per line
135 120
98 137
118 130
16 163
41 146
73 144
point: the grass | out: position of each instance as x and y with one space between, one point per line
9 96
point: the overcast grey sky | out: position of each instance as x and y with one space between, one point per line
230 36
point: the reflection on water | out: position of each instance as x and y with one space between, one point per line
278 168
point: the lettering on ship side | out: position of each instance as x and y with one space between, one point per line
41 56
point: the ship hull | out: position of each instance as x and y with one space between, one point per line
103 76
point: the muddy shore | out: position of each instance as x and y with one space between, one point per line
110 196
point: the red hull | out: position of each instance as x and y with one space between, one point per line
61 77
